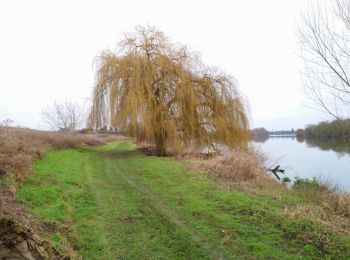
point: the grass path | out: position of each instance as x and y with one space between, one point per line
121 204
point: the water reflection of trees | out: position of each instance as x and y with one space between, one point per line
260 138
264 138
340 147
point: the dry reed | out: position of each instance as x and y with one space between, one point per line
244 170
236 166
322 203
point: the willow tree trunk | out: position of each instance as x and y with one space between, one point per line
160 144
159 134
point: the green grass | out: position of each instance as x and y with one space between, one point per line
121 204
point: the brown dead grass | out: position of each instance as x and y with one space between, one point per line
244 170
326 196
19 147
324 204
237 166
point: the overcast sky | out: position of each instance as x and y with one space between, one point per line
47 51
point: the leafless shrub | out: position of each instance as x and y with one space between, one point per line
6 123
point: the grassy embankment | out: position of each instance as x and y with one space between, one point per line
112 202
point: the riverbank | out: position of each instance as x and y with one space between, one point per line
328 162
112 201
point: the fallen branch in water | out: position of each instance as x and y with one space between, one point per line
275 171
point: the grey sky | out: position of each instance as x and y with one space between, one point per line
47 50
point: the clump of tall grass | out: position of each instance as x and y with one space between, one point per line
19 147
236 166
244 170
322 202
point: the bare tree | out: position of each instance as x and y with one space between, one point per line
63 116
324 38
6 123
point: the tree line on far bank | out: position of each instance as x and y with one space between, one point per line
336 129
331 130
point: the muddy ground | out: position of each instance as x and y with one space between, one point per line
20 233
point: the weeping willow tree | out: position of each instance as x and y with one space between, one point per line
161 93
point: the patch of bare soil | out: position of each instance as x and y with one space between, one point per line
147 150
128 220
115 154
151 151
11 208
18 240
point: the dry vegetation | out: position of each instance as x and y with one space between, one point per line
244 170
19 147
237 166
322 203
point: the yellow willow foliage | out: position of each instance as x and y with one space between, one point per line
161 93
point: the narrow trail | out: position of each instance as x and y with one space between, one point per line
114 177
165 212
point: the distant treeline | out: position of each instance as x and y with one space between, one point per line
263 132
337 129
259 132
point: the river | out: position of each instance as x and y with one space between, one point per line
325 160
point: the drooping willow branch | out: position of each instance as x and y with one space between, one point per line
162 93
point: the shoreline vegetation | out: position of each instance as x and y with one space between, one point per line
328 130
311 218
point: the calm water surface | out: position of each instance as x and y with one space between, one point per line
327 161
